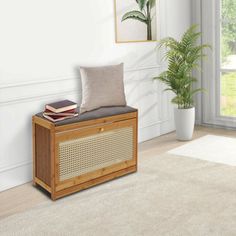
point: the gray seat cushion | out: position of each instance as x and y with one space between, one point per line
95 114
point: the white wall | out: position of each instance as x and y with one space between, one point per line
42 43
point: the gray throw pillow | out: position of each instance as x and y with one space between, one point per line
102 87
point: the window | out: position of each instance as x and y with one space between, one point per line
218 22
228 58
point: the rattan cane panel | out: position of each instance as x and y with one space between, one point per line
86 154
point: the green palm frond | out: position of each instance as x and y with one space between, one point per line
169 42
183 57
136 15
142 4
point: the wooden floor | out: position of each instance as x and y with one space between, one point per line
26 196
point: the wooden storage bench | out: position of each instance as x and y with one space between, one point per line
83 151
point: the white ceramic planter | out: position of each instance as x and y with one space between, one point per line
184 123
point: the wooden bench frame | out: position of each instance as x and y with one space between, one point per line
46 137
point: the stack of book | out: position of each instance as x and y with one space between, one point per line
61 110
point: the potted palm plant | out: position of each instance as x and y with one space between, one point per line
183 57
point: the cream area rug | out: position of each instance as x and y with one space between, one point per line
169 195
213 148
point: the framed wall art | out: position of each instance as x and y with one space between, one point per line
135 20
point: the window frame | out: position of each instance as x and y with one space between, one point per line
211 68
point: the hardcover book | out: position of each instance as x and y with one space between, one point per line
64 113
58 118
61 106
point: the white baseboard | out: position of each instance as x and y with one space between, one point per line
15 176
155 130
198 122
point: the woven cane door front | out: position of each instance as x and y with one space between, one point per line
103 150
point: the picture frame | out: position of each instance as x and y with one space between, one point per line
135 21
